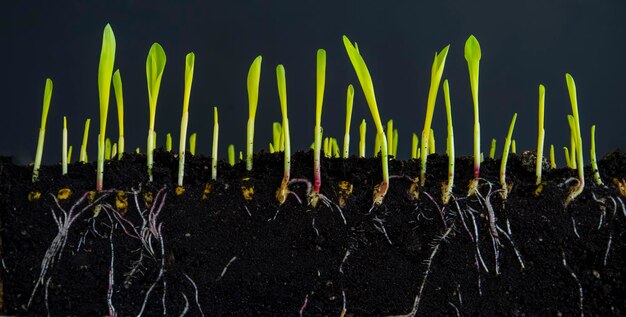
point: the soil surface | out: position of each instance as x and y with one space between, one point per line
142 248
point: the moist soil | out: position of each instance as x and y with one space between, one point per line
211 252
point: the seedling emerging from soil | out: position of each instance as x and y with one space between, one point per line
107 149
592 154
335 148
317 131
513 147
231 155
327 145
472 56
189 67
283 191
216 134
47 95
431 143
436 73
254 74
64 148
414 146
572 138
446 189
277 130
192 144
155 64
168 142
492 149
69 155
395 142
390 136
346 136
362 133
505 157
105 72
365 79
574 192
552 160
83 147
119 99
568 160
113 150
541 134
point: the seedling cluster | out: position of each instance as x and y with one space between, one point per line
386 142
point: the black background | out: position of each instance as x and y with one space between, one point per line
524 43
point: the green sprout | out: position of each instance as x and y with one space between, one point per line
119 99
431 143
47 96
168 142
277 129
216 133
327 147
155 64
231 155
335 148
105 72
572 139
254 74
414 146
472 56
346 136
390 136
192 143
492 149
568 160
571 88
113 150
69 155
272 148
446 188
436 73
137 150
283 191
592 154
377 146
189 67
365 79
552 160
395 143
83 147
64 148
505 157
513 147
320 82
362 133
107 149
541 134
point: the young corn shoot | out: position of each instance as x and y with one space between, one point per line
572 139
283 191
272 148
168 142
137 150
472 56
431 143
69 155
568 160
216 133
365 80
436 73
105 72
254 75
320 82
552 160
390 136
513 147
231 154
362 133
335 148
414 146
541 134
107 149
113 150
119 99
64 148
346 136
83 148
376 146
326 147
190 60
395 142
155 64
47 95
505 157
592 154
574 192
192 143
446 189
277 129
492 149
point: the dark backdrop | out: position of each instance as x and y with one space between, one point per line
524 43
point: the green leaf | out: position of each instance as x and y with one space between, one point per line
254 75
105 71
47 96
282 89
320 83
190 60
155 64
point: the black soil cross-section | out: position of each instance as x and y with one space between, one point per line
227 248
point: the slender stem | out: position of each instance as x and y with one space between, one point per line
216 132
552 160
541 134
594 162
362 135
64 148
505 156
231 155
414 146
47 96
182 147
254 74
346 137
450 143
83 147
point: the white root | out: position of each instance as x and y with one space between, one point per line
226 268
580 288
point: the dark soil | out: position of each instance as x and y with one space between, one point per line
256 258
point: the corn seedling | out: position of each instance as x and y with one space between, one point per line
272 148
362 133
513 146
574 192
395 143
83 147
64 148
568 161
69 155
107 149
216 133
472 56
47 96
283 191
365 79
446 189
592 154
119 99
114 150
541 134
436 73
192 143
390 136
335 148
231 155
346 136
414 146
168 142
320 83
190 60
431 143
572 140
105 72
505 157
376 146
277 129
492 149
155 64
137 150
326 147
552 160
252 84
